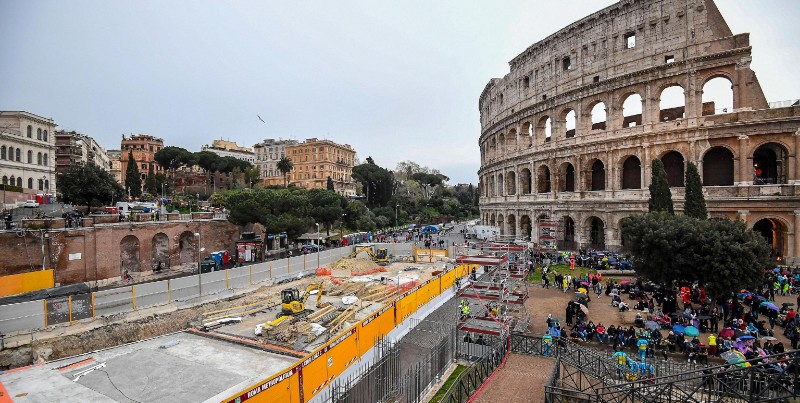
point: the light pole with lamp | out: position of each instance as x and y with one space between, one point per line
396 223
199 269
341 229
318 246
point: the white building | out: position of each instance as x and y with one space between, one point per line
27 152
268 153
230 149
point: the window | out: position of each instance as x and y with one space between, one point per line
46 184
526 82
19 158
44 160
2 152
30 157
30 131
566 63
144 167
151 148
44 135
41 184
630 40
30 183
19 181
39 134
669 59
597 79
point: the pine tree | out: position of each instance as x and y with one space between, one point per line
660 195
151 184
695 205
133 179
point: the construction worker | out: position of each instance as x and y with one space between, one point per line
464 311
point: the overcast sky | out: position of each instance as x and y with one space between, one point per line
397 80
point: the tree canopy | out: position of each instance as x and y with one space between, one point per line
88 185
722 255
695 204
660 195
377 182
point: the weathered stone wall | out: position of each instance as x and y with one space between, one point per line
591 176
99 252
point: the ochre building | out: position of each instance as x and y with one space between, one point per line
315 160
569 134
144 148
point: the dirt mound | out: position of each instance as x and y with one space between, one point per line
356 265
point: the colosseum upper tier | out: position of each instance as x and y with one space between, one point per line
569 134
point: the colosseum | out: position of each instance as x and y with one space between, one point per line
569 134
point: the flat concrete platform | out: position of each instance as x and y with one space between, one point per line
196 369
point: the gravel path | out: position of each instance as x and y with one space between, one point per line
522 379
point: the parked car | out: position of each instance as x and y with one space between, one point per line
30 204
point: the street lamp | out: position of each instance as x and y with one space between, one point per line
163 192
318 248
341 229
199 269
395 214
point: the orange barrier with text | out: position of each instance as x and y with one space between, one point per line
323 365
283 387
374 327
25 282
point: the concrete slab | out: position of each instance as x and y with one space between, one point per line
195 369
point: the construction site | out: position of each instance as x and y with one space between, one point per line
230 345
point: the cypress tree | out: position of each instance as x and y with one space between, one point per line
695 205
133 180
660 195
151 184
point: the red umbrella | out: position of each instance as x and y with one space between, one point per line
726 333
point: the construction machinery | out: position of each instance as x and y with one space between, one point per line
291 302
380 256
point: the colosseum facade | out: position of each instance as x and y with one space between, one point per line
569 134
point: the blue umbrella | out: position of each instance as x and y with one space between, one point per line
691 331
773 307
776 270
678 329
745 294
742 338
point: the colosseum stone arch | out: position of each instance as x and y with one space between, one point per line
635 98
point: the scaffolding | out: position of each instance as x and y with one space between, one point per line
496 298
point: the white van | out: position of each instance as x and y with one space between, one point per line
124 208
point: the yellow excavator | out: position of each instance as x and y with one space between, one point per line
381 256
291 305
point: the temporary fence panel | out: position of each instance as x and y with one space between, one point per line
342 353
239 277
81 307
22 316
405 306
150 294
260 272
25 282
315 372
283 387
213 282
421 297
113 301
375 327
447 279
183 288
57 310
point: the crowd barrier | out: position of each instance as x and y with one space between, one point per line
25 282
308 376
